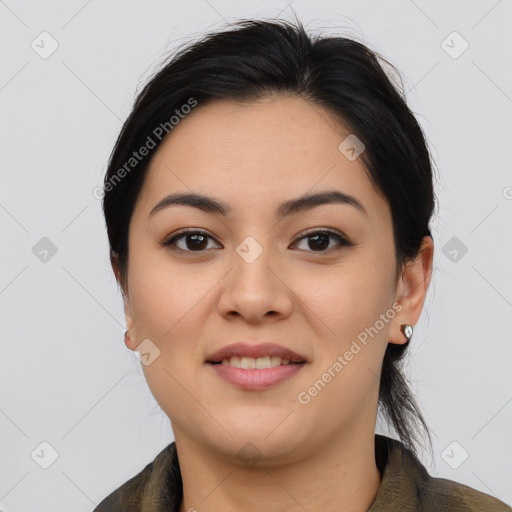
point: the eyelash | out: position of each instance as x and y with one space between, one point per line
343 241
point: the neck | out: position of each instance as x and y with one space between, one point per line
340 474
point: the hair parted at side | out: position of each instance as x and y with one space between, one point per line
253 59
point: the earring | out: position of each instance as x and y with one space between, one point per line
407 330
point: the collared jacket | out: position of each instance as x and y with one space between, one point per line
405 486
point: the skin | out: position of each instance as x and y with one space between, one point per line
319 456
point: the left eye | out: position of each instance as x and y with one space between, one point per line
197 241
319 240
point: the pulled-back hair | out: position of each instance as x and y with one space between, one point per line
253 59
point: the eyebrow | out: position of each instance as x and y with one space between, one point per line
290 207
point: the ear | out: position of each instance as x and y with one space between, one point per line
411 290
131 337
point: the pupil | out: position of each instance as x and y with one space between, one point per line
197 238
320 245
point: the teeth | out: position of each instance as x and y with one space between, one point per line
234 361
275 361
260 363
247 362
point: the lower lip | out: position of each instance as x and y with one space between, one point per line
256 379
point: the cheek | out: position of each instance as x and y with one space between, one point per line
161 294
345 299
166 302
348 303
171 303
165 306
350 342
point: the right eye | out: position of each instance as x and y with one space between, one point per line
194 241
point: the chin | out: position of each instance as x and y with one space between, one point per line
265 442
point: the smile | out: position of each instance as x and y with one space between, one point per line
243 373
260 363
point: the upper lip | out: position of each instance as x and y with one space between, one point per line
244 349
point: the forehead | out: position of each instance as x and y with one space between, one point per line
271 149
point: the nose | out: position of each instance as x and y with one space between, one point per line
255 289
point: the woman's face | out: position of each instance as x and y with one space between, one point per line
255 276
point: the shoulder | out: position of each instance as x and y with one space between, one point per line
131 495
407 481
439 494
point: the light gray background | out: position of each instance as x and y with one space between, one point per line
66 377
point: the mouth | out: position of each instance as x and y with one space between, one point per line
256 367
263 355
259 363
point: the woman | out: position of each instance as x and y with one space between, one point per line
268 204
